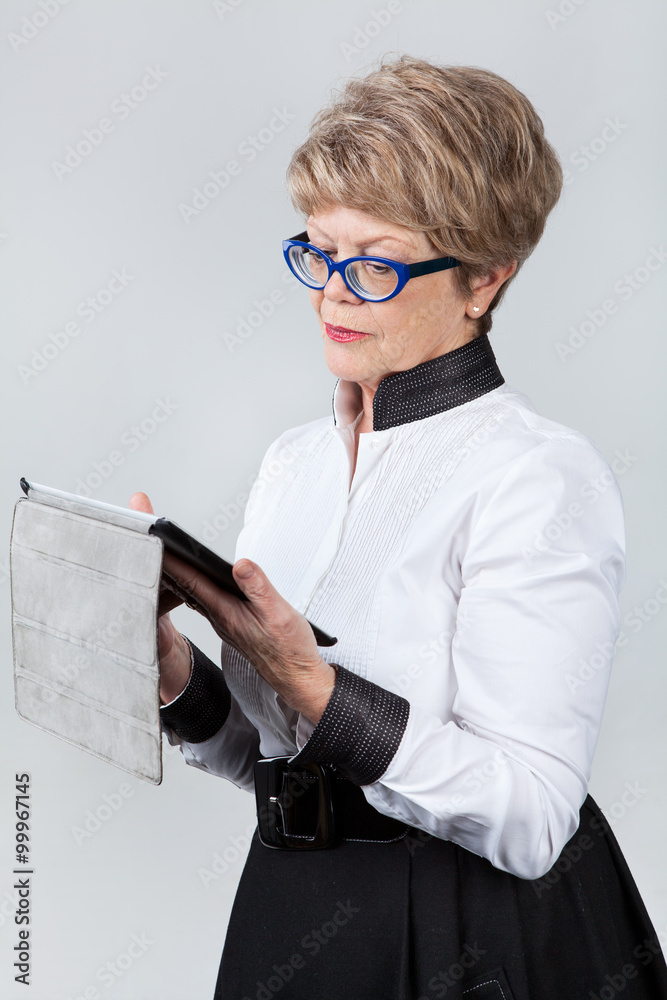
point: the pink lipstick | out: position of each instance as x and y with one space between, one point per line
342 335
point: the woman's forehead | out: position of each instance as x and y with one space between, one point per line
360 229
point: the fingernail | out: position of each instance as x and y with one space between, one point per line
244 570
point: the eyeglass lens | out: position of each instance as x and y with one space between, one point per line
367 277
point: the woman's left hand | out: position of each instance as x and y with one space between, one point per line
268 631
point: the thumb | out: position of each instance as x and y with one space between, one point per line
254 584
139 501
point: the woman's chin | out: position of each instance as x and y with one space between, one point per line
347 360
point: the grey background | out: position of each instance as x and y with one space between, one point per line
228 66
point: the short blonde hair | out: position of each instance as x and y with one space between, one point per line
456 152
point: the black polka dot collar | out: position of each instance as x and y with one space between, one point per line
437 385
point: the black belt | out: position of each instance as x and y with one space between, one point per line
304 807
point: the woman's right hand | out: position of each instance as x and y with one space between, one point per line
173 649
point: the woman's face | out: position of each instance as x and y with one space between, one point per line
426 319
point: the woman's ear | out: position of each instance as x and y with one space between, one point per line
485 288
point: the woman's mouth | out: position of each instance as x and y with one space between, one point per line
342 335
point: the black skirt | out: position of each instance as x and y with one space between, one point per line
423 918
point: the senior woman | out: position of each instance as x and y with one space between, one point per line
424 825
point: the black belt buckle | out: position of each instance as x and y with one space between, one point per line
294 805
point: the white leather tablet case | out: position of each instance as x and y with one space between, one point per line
85 589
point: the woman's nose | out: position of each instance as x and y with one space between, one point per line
337 291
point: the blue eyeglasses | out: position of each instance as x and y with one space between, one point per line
374 279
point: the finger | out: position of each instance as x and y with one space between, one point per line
168 601
139 501
194 587
200 593
175 592
259 590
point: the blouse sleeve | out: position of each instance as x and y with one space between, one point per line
207 723
537 622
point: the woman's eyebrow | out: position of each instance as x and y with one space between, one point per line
367 242
386 239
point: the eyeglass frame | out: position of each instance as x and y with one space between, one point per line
403 271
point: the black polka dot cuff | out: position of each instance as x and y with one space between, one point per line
201 709
360 730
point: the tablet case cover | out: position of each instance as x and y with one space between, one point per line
85 588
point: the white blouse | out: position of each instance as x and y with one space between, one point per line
471 564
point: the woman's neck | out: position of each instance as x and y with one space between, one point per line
366 422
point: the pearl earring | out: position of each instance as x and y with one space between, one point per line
475 309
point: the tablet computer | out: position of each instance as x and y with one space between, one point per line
174 538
